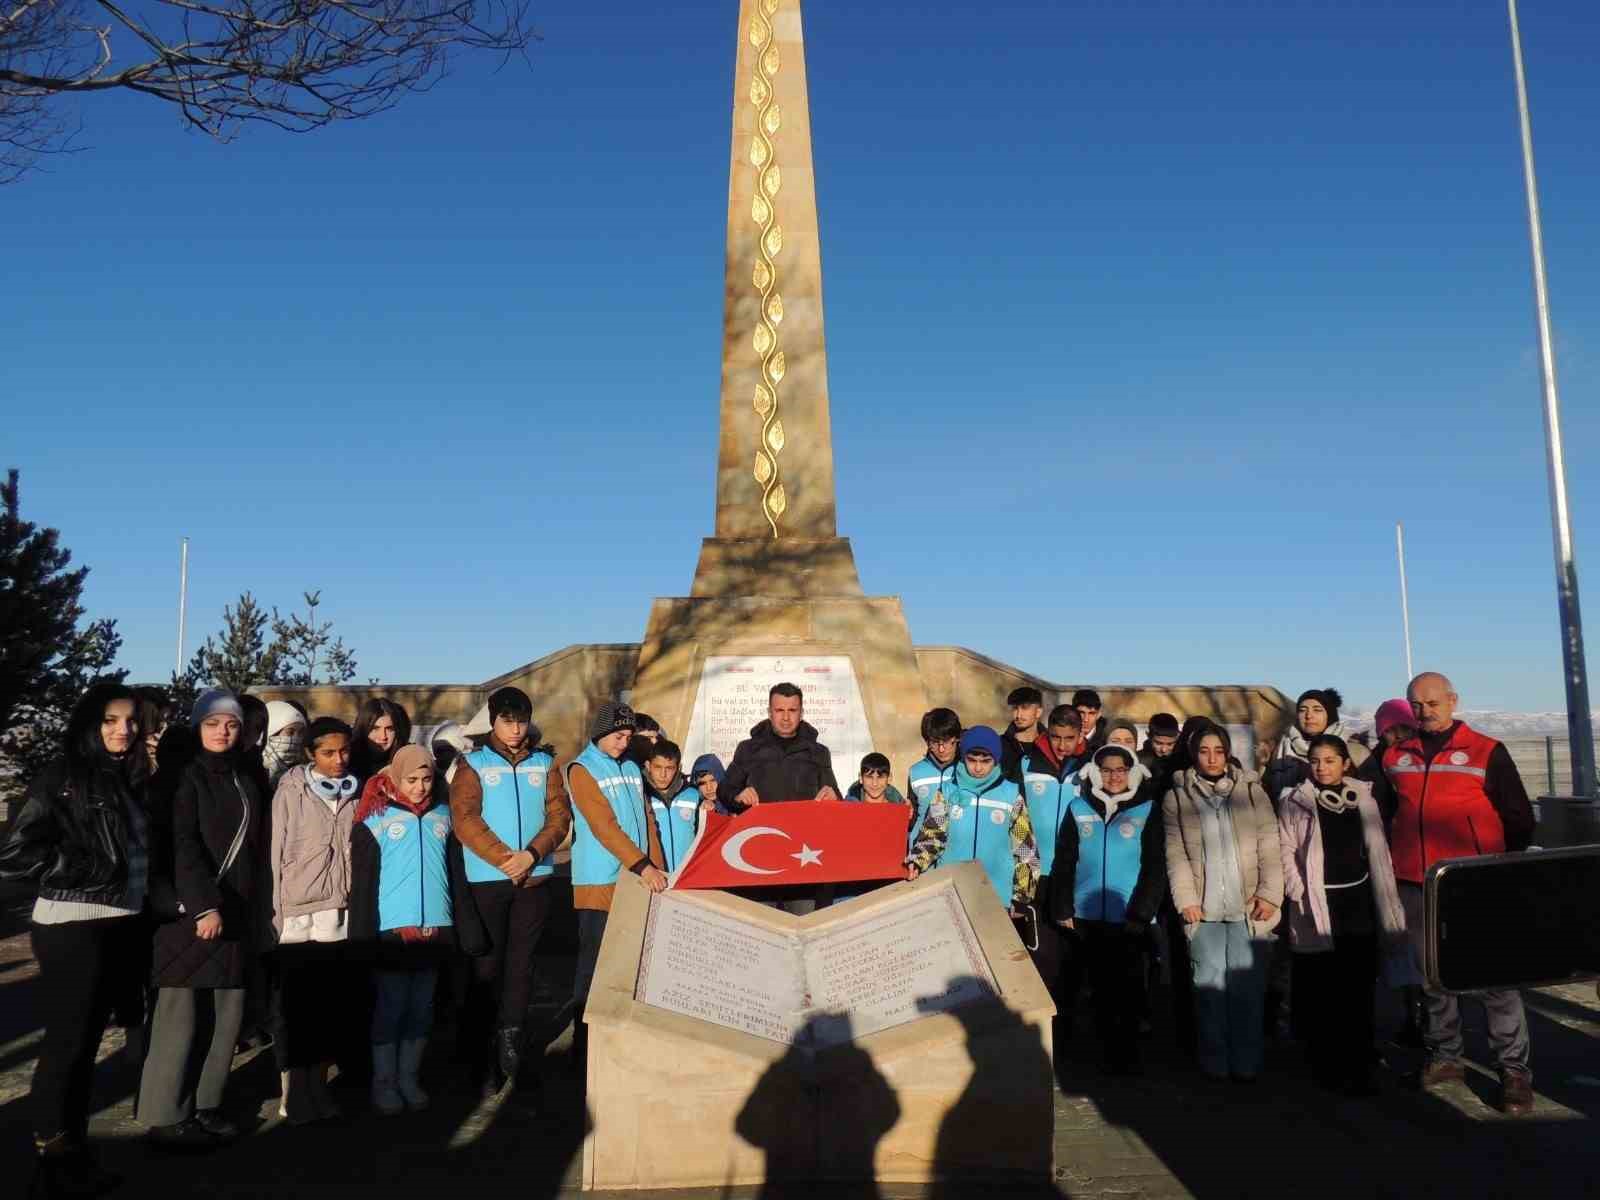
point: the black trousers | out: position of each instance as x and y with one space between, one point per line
321 1006
86 968
1112 960
1181 978
1334 997
514 918
1046 943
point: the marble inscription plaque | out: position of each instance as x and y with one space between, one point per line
895 964
854 976
717 968
732 698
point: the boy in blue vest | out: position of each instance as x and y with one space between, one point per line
675 805
612 832
706 775
1050 782
1110 873
509 810
941 733
981 817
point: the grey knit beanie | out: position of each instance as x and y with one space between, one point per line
613 715
215 702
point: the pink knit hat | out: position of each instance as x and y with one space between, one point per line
1391 713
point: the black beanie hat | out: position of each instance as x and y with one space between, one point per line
1163 724
1327 697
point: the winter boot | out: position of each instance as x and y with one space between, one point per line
317 1078
508 1052
385 1069
410 1064
297 1104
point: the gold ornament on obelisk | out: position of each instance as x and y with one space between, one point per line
765 274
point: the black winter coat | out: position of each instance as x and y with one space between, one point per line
213 797
71 837
778 768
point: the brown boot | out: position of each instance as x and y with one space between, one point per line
1516 1094
1441 1070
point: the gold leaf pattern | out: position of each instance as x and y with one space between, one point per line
764 273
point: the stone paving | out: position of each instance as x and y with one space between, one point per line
1164 1134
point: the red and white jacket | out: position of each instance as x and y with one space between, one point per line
1443 808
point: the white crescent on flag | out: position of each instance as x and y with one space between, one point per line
733 850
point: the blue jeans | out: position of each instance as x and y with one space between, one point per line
1230 979
404 1008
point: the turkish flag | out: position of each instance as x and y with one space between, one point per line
799 842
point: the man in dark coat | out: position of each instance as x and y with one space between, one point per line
780 760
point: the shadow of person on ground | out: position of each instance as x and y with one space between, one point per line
1006 1112
818 1114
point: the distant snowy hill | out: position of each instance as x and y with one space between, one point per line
1495 723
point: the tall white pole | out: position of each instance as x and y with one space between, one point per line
1405 603
183 602
1580 734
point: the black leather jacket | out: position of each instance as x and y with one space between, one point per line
71 836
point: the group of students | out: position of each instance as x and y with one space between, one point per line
254 866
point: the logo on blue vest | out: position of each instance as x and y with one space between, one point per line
1085 829
441 830
491 777
395 830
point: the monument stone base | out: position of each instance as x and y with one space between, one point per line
903 1036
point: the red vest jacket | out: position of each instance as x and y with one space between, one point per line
1443 810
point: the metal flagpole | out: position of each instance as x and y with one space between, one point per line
1580 733
1405 604
183 602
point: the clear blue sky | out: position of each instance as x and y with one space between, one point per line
1146 322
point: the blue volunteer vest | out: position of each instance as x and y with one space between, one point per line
1108 858
513 806
677 823
1045 791
979 825
413 878
924 779
623 786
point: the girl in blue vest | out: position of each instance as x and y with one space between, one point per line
675 805
401 906
981 817
1110 873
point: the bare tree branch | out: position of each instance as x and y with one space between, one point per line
294 64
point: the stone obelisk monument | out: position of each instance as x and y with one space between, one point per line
776 593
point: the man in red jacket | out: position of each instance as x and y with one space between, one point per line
1457 794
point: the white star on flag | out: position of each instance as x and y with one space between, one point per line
808 857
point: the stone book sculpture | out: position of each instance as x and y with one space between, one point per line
903 1035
